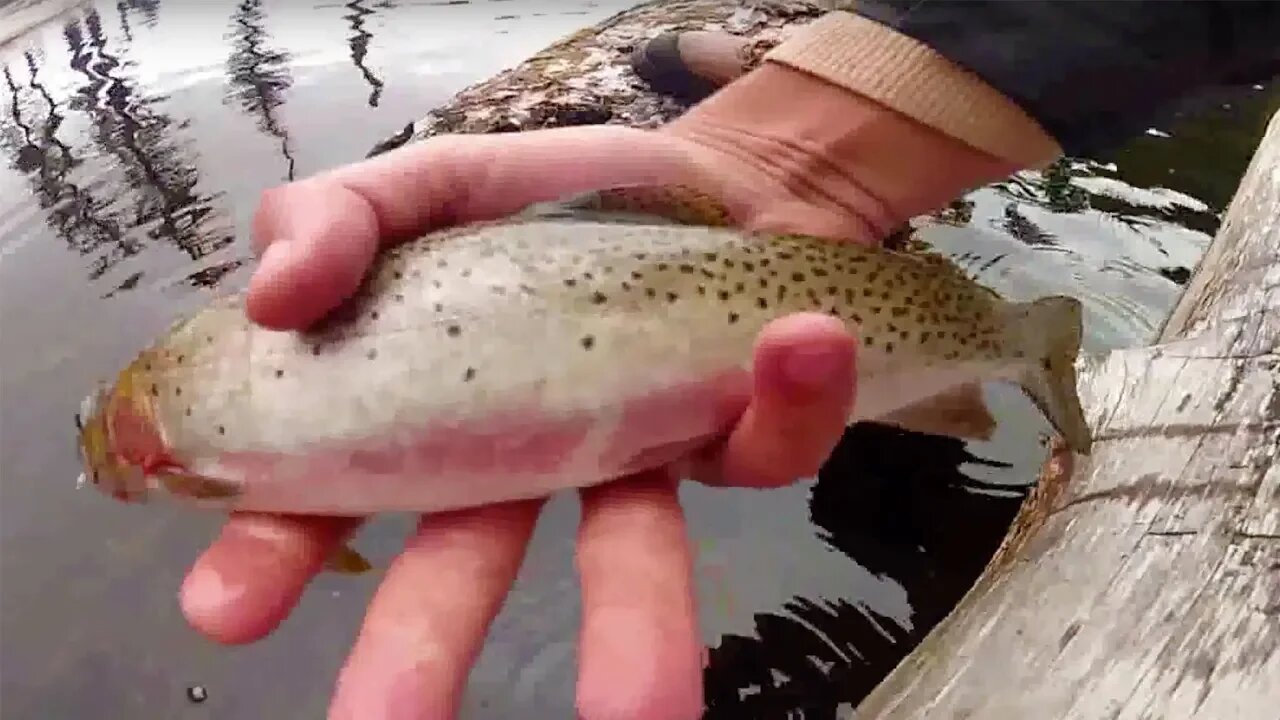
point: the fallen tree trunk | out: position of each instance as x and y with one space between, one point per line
1143 582
584 79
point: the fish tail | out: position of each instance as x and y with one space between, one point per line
1051 328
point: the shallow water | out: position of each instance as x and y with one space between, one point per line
136 136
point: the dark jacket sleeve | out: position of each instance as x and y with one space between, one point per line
1095 73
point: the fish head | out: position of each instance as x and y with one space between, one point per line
107 464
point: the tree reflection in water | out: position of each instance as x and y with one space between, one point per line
358 42
898 504
258 75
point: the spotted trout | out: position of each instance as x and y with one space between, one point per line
554 349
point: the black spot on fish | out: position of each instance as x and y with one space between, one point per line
177 391
723 294
570 282
372 354
672 297
762 303
399 297
469 375
398 275
598 298
222 430
733 318
588 342
650 292
155 391
373 315
187 412
453 330
279 373
438 307
888 347
686 268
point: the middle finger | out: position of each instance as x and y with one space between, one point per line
641 654
430 615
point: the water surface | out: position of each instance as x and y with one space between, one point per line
136 136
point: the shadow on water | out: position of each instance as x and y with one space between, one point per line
134 154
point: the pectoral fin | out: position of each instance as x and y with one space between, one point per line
960 413
197 487
347 561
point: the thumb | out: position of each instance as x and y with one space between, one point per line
319 235
804 377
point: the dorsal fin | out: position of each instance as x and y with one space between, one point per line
674 204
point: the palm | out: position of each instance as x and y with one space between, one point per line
431 612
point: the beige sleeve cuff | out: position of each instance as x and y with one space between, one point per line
902 73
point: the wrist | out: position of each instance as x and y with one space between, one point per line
832 147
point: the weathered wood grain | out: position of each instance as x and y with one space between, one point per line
1143 582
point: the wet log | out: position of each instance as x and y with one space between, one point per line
1144 581
584 79
1141 582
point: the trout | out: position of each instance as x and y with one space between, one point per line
558 348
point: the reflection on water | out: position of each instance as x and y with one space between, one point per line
359 44
136 137
258 75
900 505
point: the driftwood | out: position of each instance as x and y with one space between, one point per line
1143 582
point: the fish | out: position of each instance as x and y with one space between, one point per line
561 347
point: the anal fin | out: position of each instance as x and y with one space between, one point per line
959 413
347 561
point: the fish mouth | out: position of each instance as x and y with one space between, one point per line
101 467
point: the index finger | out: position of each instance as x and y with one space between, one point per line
318 236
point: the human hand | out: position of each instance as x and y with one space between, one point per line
640 652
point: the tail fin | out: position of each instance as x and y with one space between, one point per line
1051 329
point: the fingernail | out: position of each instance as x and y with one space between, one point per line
275 256
206 593
812 368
